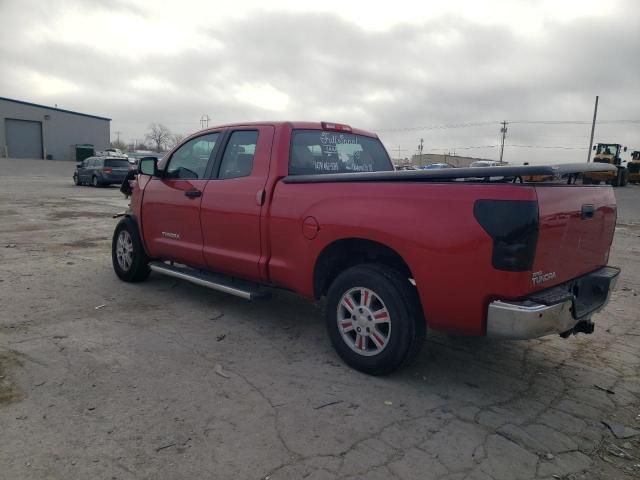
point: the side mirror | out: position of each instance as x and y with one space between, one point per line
624 149
594 148
148 166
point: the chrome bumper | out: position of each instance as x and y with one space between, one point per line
531 319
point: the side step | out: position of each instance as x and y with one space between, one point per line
239 288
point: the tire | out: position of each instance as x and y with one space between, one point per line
596 182
383 300
130 261
619 181
76 180
586 181
625 177
94 182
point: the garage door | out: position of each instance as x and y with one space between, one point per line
24 138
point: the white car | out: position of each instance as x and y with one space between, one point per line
485 163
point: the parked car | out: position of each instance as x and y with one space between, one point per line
431 166
111 152
101 171
405 167
239 207
485 163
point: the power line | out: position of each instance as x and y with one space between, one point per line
472 147
434 127
559 147
521 122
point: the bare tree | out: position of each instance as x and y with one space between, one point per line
119 144
175 139
159 135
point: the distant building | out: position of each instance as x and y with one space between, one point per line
455 160
29 130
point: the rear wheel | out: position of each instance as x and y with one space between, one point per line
130 261
76 180
374 319
586 181
94 181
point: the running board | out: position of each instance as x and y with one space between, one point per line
239 288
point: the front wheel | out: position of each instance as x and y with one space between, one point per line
625 178
130 261
94 181
374 319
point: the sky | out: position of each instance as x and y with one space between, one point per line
447 72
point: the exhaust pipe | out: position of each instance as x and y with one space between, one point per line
585 326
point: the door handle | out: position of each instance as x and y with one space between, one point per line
193 193
587 211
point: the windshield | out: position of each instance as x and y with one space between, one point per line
606 149
113 163
316 152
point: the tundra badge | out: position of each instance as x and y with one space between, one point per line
540 277
173 236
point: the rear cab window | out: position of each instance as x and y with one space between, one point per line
116 163
317 152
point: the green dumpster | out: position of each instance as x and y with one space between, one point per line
84 151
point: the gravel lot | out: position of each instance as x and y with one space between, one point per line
166 380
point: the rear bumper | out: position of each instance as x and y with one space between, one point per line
556 310
111 178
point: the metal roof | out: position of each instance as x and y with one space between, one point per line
54 108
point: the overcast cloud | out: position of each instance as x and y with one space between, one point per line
390 69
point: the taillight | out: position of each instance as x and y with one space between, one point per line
513 226
336 127
107 170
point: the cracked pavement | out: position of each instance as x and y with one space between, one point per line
138 387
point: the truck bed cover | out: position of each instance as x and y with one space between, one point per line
555 171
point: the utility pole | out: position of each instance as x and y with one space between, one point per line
204 121
420 148
503 130
593 128
118 136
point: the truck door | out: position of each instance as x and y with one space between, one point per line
171 203
232 203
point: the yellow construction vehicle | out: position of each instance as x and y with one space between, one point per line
633 167
608 153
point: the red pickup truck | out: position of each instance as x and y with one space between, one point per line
318 209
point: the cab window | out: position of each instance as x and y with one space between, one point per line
189 162
238 156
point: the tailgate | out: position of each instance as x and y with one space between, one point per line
575 232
